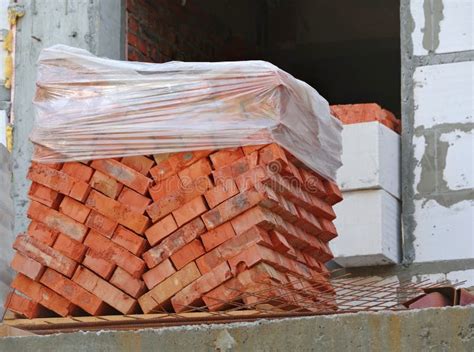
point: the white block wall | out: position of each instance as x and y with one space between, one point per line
444 97
443 94
455 31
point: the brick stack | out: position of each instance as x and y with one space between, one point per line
357 113
175 232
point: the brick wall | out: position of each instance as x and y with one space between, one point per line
164 30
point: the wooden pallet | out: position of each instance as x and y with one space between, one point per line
44 326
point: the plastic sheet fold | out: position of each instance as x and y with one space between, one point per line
92 108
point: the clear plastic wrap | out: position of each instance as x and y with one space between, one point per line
91 108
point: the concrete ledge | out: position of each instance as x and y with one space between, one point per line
416 330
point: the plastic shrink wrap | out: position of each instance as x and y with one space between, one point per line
92 108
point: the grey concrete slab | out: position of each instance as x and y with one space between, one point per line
446 329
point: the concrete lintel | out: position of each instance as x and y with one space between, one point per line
415 330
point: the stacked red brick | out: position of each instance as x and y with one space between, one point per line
193 229
357 113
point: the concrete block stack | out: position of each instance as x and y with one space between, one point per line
192 230
370 175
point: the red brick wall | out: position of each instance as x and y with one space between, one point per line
164 30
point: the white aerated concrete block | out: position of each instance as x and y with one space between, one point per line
444 94
371 158
442 26
368 223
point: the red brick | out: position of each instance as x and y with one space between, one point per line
44 195
73 292
106 185
231 208
222 175
78 171
105 291
200 168
268 220
250 178
236 168
225 157
278 204
215 237
117 212
328 230
99 265
116 254
280 244
357 113
57 221
225 294
80 191
139 163
43 295
162 170
174 242
160 272
74 209
171 185
132 25
170 164
190 296
325 253
311 262
190 210
44 255
312 183
129 240
308 221
304 199
24 306
122 173
42 233
159 297
333 193
127 283
135 201
51 178
275 155
70 248
173 201
27 266
256 254
221 193
249 149
101 224
161 229
232 247
187 253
